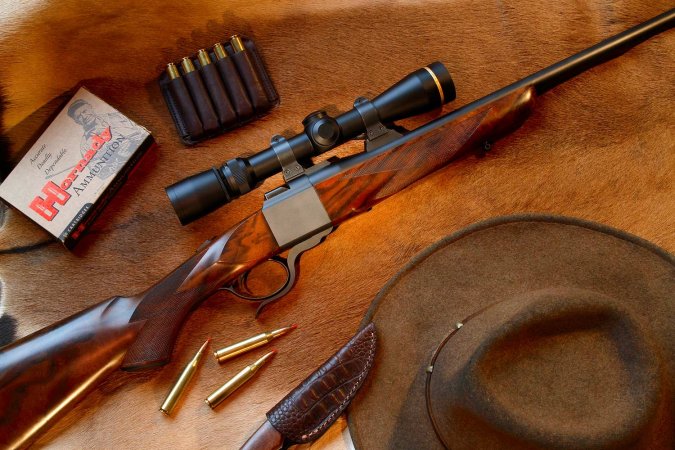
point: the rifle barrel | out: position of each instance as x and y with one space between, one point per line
601 52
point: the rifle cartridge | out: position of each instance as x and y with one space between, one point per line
204 58
219 51
187 64
237 381
183 380
172 71
237 43
249 344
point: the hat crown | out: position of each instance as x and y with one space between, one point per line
560 367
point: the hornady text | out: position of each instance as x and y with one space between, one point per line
58 193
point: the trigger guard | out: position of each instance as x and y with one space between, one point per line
290 265
246 294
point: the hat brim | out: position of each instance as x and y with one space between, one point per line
475 267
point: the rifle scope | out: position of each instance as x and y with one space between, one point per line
420 91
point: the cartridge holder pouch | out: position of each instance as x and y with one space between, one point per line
228 87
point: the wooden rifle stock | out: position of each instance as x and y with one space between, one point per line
43 375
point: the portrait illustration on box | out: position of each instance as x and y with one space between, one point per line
125 135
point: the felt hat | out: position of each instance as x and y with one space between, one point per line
524 332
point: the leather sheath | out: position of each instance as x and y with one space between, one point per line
312 407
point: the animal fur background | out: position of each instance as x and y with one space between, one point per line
601 147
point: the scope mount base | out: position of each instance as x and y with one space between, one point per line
377 134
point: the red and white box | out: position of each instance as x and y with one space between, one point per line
75 166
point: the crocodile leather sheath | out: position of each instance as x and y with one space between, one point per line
309 409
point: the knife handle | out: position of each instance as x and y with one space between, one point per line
265 438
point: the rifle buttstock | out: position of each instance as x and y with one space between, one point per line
43 375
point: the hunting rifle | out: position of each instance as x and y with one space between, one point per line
43 375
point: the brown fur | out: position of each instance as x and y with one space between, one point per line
599 147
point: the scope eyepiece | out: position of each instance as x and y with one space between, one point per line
421 91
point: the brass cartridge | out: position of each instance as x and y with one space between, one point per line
237 44
251 343
183 380
204 58
172 71
237 381
187 65
220 51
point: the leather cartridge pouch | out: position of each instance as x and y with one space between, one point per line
230 90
